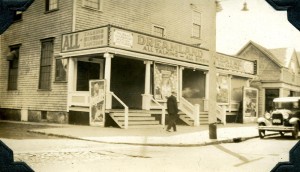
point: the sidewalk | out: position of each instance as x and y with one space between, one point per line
154 136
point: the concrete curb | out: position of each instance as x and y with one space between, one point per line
214 142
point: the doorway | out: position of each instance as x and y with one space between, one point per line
128 82
270 94
85 72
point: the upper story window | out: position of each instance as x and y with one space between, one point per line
46 63
17 16
196 32
92 4
51 5
158 31
13 72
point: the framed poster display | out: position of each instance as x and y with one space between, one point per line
250 102
223 89
165 80
97 102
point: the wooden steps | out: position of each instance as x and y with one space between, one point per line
136 118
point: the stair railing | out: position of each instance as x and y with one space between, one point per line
125 107
193 111
163 111
221 113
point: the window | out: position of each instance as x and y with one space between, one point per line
60 69
51 5
93 4
13 58
158 31
196 25
17 16
46 62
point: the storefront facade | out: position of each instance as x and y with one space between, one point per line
111 56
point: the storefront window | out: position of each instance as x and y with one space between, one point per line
60 70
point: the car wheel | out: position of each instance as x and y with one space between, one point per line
296 131
261 133
281 133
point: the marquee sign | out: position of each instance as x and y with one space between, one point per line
235 64
157 46
133 41
87 39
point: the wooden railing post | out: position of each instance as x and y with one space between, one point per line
163 117
224 114
197 115
126 118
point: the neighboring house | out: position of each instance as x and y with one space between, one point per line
143 49
277 73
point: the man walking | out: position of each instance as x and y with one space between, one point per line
172 109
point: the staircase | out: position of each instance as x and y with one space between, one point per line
136 118
203 119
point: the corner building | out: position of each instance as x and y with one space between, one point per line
110 63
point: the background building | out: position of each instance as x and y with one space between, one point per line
277 73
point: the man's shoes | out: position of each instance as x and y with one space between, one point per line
168 130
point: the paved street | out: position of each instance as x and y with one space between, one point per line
60 154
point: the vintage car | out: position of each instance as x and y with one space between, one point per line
284 117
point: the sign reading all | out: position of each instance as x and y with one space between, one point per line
87 39
155 46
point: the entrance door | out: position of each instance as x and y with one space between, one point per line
270 94
128 82
85 72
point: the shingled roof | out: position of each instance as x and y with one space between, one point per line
281 56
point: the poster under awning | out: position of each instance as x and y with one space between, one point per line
223 89
250 102
165 80
97 102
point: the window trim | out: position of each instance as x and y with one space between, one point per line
198 23
52 10
159 26
20 14
51 64
12 48
92 8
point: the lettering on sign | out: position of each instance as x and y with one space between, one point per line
84 40
156 46
122 38
228 62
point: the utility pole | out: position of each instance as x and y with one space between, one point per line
212 104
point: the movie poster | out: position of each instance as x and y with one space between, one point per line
165 81
250 102
222 89
97 102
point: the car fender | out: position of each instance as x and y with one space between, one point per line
293 121
262 120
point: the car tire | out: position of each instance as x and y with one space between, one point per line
296 131
261 133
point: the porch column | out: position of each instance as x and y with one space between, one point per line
71 71
107 76
147 95
205 103
180 82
